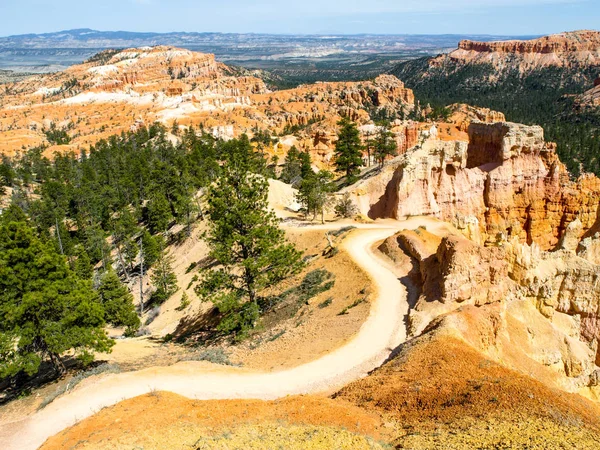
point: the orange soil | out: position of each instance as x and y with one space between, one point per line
133 422
438 380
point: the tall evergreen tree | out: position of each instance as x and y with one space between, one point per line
152 246
245 241
117 302
45 308
348 149
305 165
292 167
159 213
384 145
163 278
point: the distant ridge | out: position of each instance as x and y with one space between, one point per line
89 38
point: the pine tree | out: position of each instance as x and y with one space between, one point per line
82 265
384 145
369 145
152 248
306 165
245 241
292 167
314 193
163 278
117 301
348 149
159 213
45 308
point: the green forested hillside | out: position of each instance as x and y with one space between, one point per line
543 96
76 225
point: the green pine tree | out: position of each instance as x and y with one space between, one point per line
163 279
159 214
246 242
151 246
348 150
306 165
292 167
45 308
83 265
117 301
384 145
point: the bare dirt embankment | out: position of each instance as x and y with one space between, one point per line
164 420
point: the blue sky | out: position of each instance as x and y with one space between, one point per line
508 17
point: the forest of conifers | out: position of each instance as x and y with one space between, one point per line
543 97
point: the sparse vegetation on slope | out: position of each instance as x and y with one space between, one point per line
542 96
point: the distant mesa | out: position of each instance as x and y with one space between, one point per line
575 41
564 49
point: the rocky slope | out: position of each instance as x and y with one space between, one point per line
535 311
117 90
506 181
525 255
591 99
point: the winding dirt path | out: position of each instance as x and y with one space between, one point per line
383 330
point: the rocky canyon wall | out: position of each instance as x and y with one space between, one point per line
505 182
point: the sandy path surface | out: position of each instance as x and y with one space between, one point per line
383 330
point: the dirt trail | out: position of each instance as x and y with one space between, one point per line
383 330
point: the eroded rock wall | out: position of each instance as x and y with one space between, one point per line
506 181
535 310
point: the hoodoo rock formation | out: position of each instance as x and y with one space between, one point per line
537 311
524 251
117 89
505 182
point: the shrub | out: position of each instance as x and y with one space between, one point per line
213 355
315 282
326 303
345 207
192 281
338 233
345 311
185 302
191 267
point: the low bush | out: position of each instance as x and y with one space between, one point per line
345 311
213 355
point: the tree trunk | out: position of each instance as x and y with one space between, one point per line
122 261
62 252
59 367
141 277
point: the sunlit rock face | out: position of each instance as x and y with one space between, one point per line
505 182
